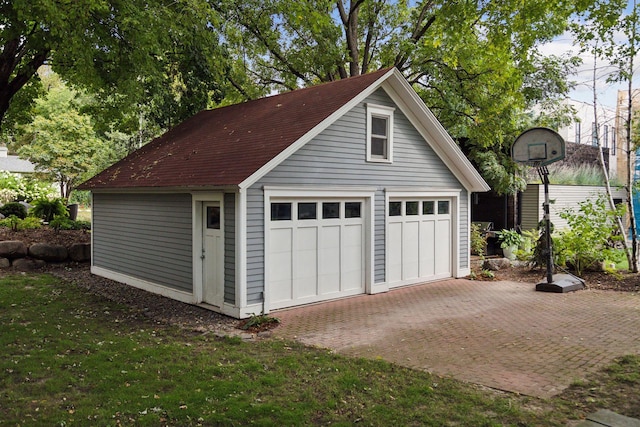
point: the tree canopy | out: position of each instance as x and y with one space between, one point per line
128 52
473 62
61 141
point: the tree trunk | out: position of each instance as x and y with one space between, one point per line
633 266
627 250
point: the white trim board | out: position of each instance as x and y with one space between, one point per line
146 285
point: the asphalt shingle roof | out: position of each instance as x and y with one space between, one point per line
225 146
16 164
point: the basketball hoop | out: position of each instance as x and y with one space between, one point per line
539 147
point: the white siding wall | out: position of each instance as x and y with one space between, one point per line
562 197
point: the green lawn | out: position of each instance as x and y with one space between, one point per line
69 357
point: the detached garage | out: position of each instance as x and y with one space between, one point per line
340 189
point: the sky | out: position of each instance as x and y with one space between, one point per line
606 92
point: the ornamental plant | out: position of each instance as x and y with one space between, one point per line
508 238
47 209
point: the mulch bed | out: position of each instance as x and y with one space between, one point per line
622 282
46 235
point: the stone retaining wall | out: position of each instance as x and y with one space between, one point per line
14 253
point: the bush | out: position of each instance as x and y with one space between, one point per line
592 235
478 241
15 223
26 188
64 223
47 209
14 208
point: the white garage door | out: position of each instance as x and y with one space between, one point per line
419 240
315 250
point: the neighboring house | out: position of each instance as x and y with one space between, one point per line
340 189
14 164
622 111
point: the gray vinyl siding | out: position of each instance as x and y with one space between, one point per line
337 157
230 248
255 245
531 206
562 197
379 238
146 236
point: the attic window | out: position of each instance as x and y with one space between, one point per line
379 133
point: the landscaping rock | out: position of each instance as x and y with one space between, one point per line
80 252
47 252
13 249
5 263
496 264
28 264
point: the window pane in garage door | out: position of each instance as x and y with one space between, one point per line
395 208
443 207
412 208
330 210
280 211
427 208
307 210
352 209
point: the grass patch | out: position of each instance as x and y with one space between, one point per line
70 357
615 387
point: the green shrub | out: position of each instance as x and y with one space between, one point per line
29 223
15 223
64 223
478 241
592 235
11 222
13 208
526 248
47 209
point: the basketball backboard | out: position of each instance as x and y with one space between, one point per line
538 146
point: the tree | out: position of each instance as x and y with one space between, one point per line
474 63
600 29
127 52
61 141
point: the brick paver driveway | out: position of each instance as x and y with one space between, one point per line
499 334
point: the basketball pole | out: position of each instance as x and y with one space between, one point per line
539 147
544 174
